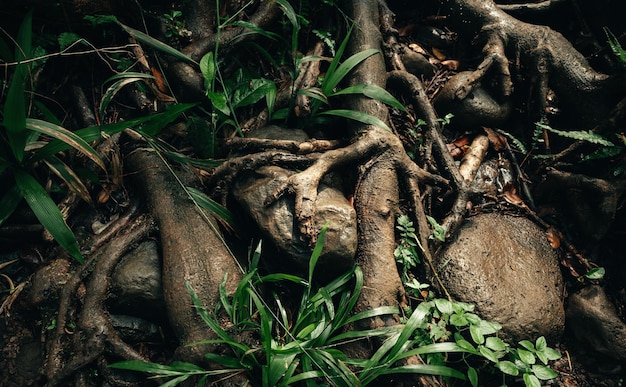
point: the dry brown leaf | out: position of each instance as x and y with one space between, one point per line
510 194
450 64
497 140
553 238
439 54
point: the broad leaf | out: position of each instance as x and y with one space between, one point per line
9 202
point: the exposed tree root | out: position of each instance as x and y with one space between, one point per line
94 333
194 252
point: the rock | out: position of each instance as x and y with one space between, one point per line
593 321
277 222
136 286
275 132
479 107
504 265
47 282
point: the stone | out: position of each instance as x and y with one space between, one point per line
276 221
136 286
504 265
594 322
478 108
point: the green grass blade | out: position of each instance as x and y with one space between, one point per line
363 117
317 251
447 347
66 136
379 311
333 78
211 322
373 91
15 113
157 44
47 212
112 90
9 202
277 277
336 59
211 206
94 133
68 175
426 369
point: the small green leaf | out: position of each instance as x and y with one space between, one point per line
595 273
495 344
527 344
552 354
439 233
543 373
66 39
507 367
444 306
472 376
526 356
476 334
208 67
488 354
219 102
531 381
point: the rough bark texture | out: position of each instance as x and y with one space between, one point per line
194 251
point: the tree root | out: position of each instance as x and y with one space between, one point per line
194 252
550 59
94 332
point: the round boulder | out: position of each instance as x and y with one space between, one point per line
505 266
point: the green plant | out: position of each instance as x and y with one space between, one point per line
32 139
175 27
329 88
23 138
449 321
616 47
303 347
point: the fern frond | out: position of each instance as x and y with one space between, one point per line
581 135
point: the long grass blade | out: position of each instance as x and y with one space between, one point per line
333 78
212 206
373 91
66 136
118 85
68 175
47 212
157 44
363 117
94 133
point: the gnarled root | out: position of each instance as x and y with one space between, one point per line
94 331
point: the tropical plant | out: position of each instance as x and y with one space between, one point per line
303 347
28 142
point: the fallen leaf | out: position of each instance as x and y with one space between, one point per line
510 194
497 140
450 64
553 238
